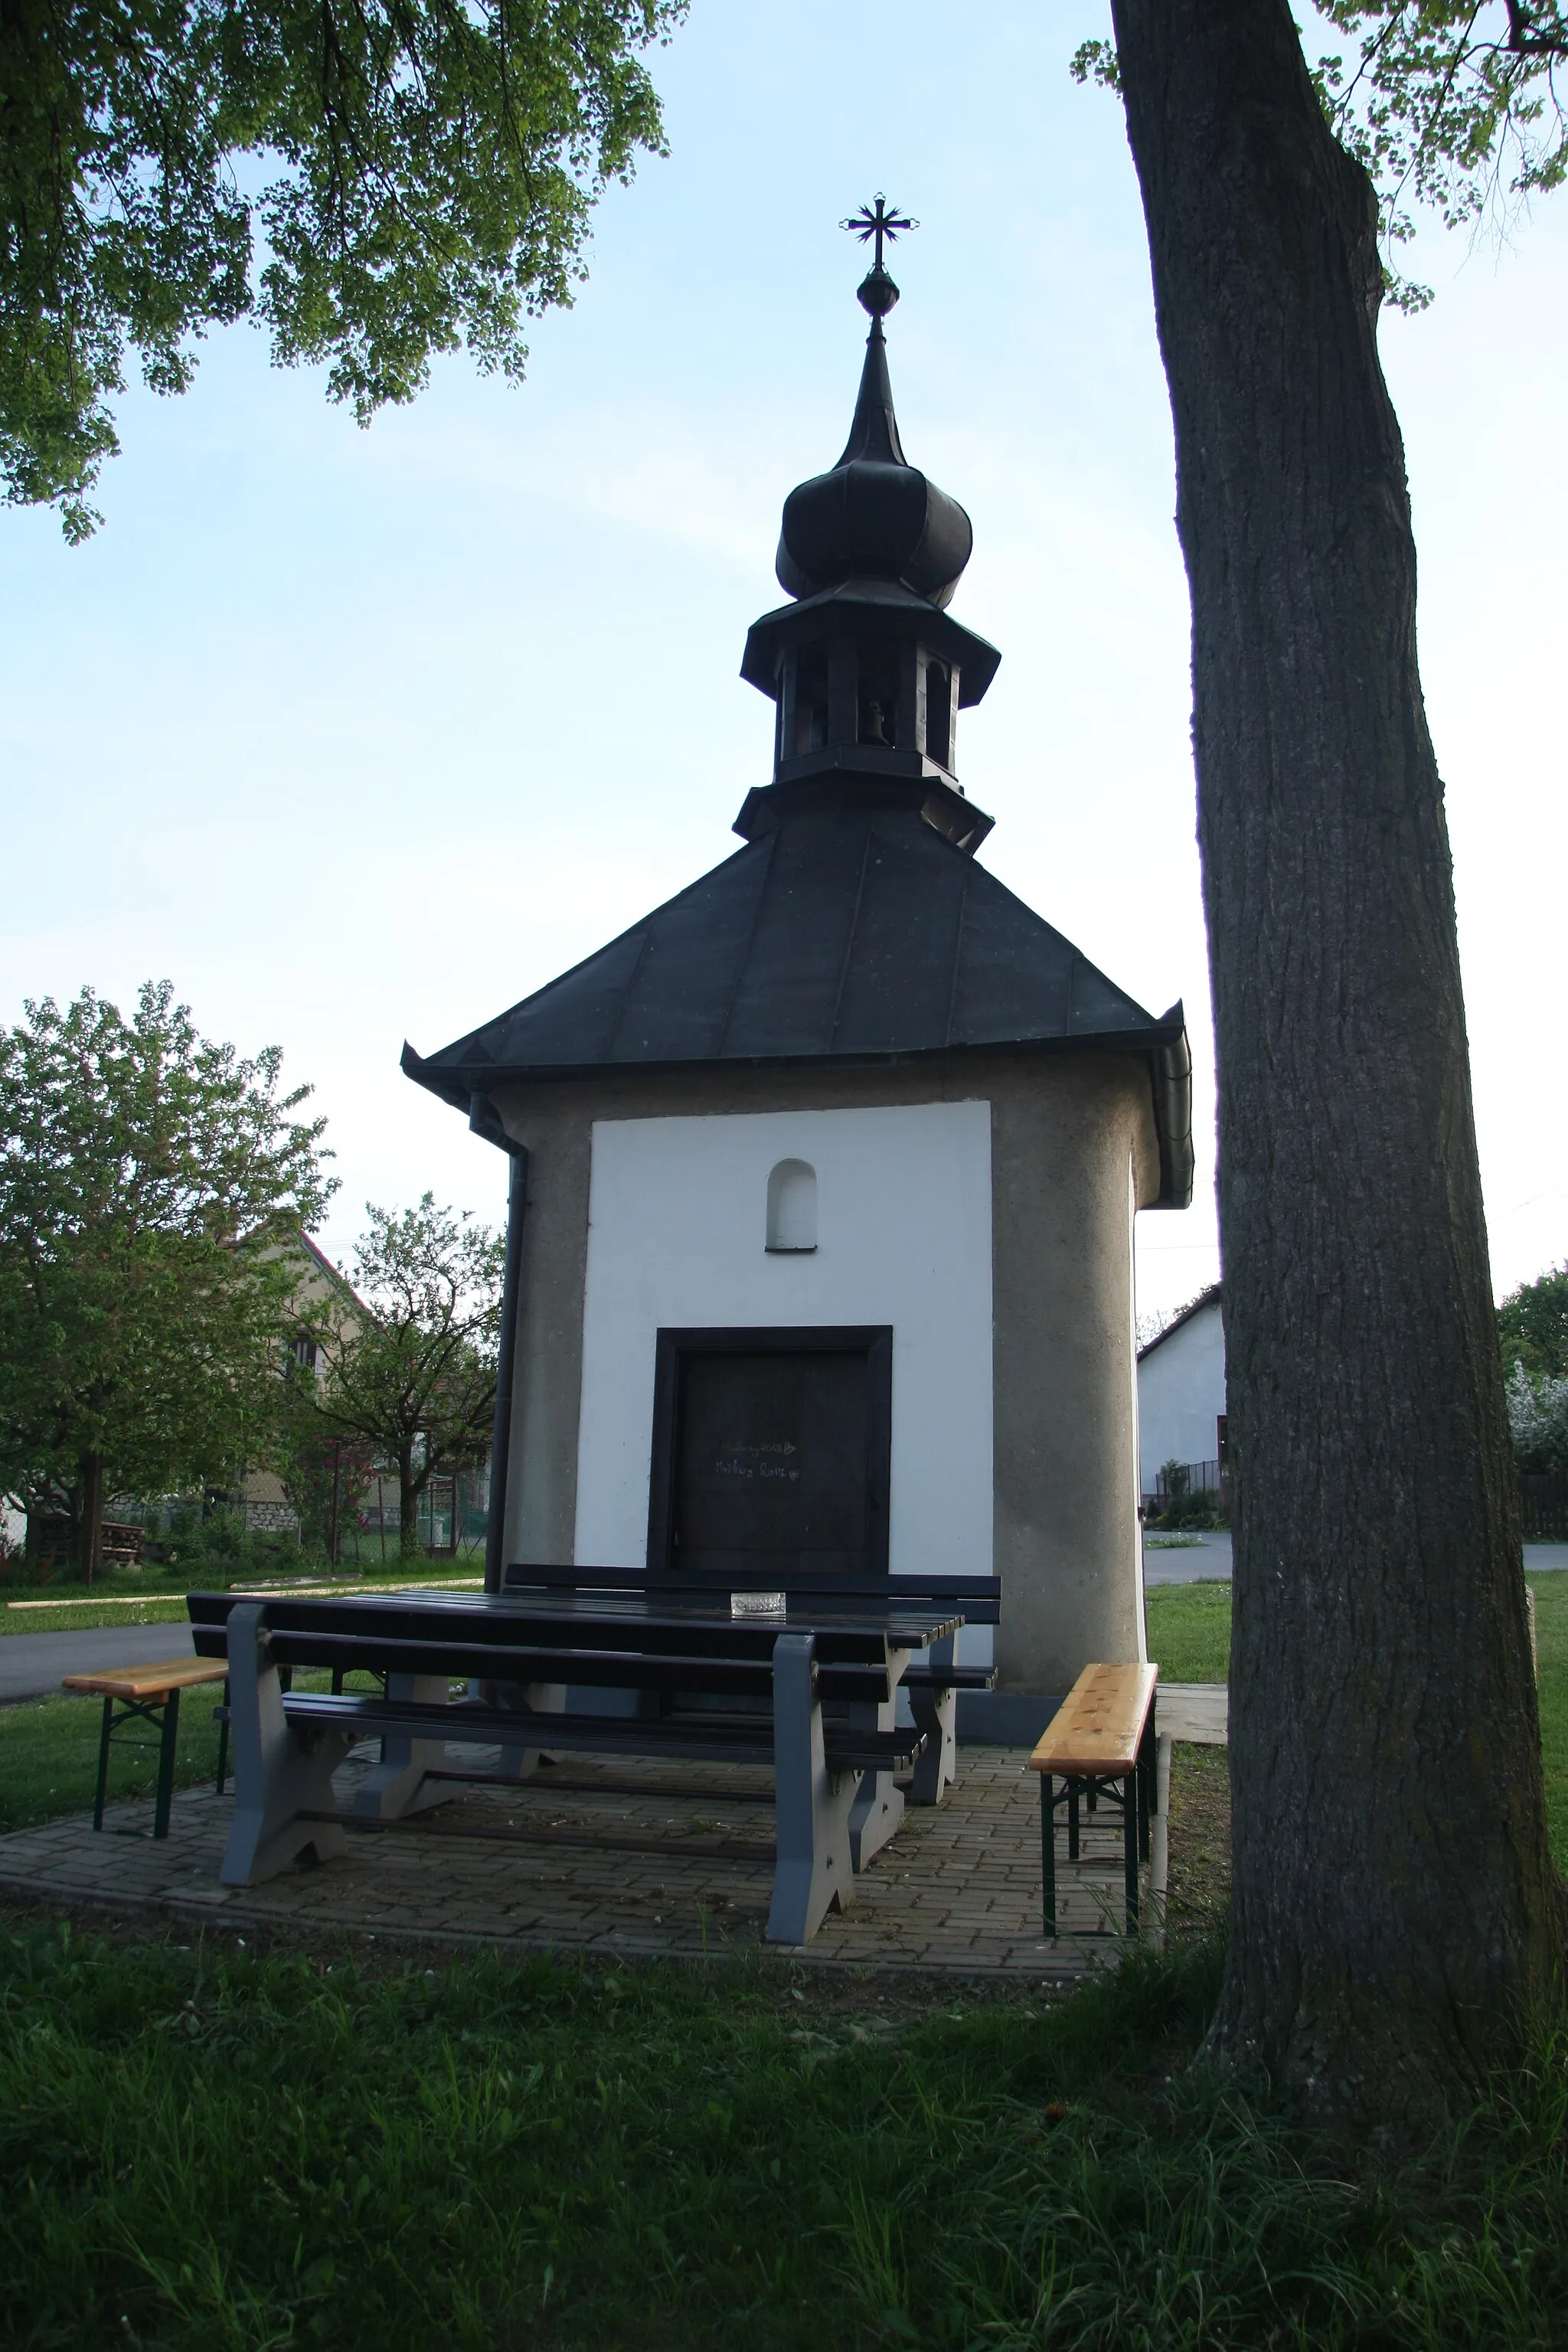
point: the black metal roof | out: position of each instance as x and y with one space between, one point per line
849 934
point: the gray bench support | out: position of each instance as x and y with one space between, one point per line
935 1712
281 1770
813 1870
540 1698
878 1804
398 1785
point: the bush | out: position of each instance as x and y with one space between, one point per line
1538 1420
222 1539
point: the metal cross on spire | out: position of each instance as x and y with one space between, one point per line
878 222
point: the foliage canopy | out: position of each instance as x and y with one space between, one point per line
1455 103
414 1381
421 176
144 1171
1532 1324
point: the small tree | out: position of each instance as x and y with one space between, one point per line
416 1381
1532 1324
143 1172
1176 1479
325 1479
1538 1421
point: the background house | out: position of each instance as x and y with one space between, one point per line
1181 1392
260 1500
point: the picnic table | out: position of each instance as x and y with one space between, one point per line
810 1690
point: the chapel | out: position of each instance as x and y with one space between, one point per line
824 1173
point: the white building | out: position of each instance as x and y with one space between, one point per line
1181 1391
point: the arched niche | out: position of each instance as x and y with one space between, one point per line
792 1208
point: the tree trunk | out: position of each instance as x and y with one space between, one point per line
89 1525
410 1486
1394 1901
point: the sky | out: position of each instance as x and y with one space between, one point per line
363 735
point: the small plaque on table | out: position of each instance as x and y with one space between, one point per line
757 1604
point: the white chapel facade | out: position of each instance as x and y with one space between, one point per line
825 1171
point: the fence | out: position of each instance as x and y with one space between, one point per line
1543 1508
1542 1499
1180 1488
453 1516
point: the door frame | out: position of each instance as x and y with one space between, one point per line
873 1341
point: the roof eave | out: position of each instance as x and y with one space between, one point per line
468 1087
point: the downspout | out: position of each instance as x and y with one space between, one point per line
482 1119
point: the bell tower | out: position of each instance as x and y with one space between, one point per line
866 668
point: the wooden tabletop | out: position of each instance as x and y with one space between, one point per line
161 1677
1098 1727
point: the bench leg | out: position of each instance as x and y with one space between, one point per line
812 1871
222 1714
397 1786
279 1773
935 1713
1159 1841
1148 1781
102 1789
540 1698
168 1743
1048 1850
879 1805
1131 1813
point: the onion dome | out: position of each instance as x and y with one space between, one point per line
875 516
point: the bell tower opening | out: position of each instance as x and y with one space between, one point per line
879 684
938 743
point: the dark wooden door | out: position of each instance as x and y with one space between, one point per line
780 1464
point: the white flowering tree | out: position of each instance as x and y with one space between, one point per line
1538 1419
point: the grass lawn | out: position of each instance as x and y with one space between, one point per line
1189 1631
49 1751
1189 1635
245 2149
157 1596
249 2145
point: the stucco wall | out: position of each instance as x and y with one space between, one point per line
1181 1393
1064 1131
678 1228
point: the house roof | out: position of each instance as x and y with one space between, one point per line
849 934
334 1273
1209 1298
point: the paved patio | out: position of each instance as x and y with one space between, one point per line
673 1860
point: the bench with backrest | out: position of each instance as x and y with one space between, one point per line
932 1681
519 1655
1101 1743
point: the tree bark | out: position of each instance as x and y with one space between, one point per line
410 1486
1395 1902
89 1525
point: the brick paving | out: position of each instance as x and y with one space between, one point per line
650 1859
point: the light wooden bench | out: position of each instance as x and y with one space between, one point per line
1100 1743
149 1694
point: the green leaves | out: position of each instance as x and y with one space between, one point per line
1450 103
144 1174
1456 104
413 1380
423 175
1532 1324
